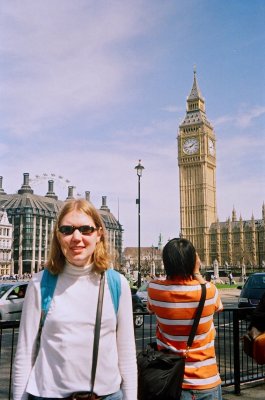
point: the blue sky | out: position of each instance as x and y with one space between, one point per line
90 87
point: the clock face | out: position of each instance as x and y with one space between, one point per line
211 147
191 146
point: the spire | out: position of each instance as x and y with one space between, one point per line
160 242
195 111
195 91
234 219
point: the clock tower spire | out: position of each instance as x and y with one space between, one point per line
197 173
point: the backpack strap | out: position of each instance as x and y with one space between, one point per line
47 287
49 281
114 282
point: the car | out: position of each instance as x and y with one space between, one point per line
11 300
138 307
223 275
252 290
142 292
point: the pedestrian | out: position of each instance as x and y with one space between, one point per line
174 302
62 365
231 279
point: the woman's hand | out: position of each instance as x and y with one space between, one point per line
196 273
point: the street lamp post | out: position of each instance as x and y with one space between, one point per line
139 169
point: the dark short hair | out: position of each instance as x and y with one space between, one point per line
179 258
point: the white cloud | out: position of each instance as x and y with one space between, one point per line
243 119
173 109
66 60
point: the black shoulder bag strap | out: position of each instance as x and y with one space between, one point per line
197 317
97 330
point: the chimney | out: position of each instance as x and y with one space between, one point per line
104 204
50 192
87 193
1 186
70 193
25 188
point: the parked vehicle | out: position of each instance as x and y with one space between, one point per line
11 300
138 307
252 290
142 292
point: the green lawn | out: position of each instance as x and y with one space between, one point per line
226 286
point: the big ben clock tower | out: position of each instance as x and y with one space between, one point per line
197 173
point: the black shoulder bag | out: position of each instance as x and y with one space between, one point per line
160 373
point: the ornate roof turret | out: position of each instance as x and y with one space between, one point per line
25 188
50 192
1 186
104 204
108 218
87 195
3 218
234 219
70 193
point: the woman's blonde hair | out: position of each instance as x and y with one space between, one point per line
56 258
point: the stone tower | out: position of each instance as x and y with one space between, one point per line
197 173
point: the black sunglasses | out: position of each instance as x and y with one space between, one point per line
84 229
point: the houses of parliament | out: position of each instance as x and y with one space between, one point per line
235 241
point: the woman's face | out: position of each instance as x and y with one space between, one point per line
78 248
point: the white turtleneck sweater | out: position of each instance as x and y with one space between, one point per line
63 363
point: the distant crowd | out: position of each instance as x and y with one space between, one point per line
16 277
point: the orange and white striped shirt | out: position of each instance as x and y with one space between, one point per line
174 302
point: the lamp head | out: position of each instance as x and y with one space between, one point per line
139 168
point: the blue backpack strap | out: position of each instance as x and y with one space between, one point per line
47 287
114 282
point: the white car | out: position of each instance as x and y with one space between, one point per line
11 300
142 292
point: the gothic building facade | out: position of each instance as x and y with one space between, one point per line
6 234
32 218
233 242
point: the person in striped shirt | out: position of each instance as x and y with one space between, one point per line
174 302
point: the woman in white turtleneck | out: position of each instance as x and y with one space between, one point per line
63 363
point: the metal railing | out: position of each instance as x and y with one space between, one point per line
234 365
8 340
